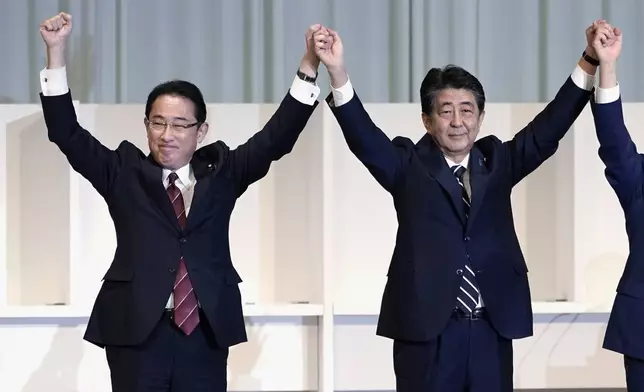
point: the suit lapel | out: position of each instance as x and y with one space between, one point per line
152 175
434 160
202 170
478 181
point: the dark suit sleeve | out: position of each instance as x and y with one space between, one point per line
617 150
252 159
539 140
98 164
367 142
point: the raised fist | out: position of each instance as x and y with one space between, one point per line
55 30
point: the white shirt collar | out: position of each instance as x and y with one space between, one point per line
186 177
465 162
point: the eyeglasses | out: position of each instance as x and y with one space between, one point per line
161 126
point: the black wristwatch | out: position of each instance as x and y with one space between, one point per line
306 77
591 60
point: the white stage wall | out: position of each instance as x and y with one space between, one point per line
312 242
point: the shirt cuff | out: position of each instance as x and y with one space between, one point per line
305 92
53 81
607 95
342 94
582 79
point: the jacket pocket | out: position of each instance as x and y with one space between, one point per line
118 274
232 278
633 288
520 267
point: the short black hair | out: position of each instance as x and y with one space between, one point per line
450 76
179 88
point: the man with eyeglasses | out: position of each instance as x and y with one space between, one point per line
170 306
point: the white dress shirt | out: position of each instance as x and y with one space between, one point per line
186 184
54 82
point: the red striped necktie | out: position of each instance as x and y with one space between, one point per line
186 312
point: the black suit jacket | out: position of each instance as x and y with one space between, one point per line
625 174
150 242
434 240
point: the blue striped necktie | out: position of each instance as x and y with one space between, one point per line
468 295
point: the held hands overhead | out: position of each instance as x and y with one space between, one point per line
328 48
591 32
324 45
607 43
310 61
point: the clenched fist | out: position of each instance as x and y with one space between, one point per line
55 30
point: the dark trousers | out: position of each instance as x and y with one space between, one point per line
170 361
469 356
634 374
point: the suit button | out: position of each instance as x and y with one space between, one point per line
183 240
459 272
172 270
466 239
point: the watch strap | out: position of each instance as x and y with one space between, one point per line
306 77
589 59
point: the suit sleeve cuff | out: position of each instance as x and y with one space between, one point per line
607 95
53 81
342 94
305 92
582 79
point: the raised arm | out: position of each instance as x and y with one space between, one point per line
616 148
252 160
365 140
86 155
539 140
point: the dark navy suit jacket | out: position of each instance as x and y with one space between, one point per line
625 173
434 240
150 242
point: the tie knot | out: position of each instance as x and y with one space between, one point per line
172 178
458 171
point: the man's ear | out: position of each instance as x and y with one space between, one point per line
202 132
427 122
